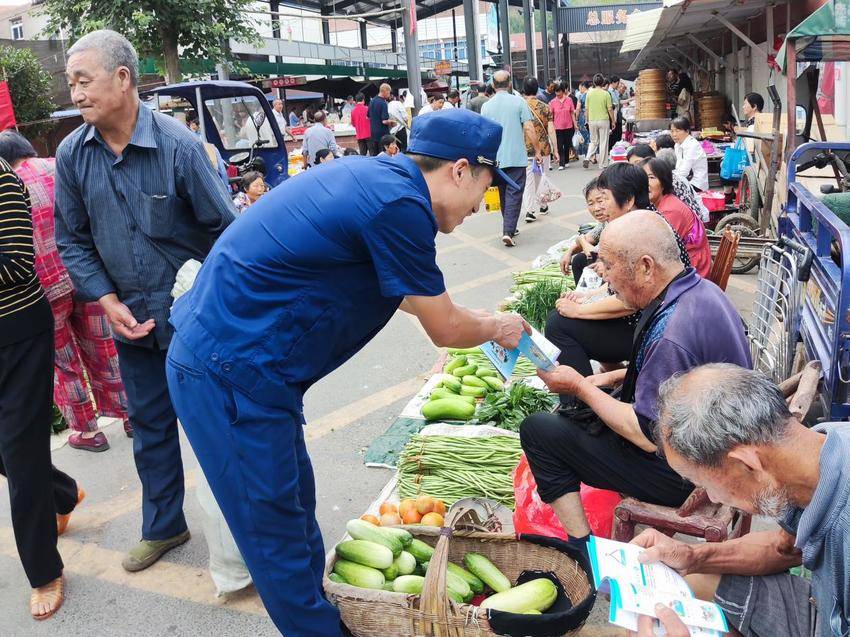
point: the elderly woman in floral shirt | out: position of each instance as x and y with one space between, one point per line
545 129
82 338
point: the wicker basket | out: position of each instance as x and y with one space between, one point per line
378 613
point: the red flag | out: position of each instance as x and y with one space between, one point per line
7 112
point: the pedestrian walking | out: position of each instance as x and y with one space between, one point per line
379 118
286 296
544 132
41 497
84 350
600 120
399 128
565 122
360 122
512 112
136 197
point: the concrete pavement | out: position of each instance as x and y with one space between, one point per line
345 412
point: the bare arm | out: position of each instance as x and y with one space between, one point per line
608 308
451 325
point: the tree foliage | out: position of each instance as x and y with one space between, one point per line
30 87
173 32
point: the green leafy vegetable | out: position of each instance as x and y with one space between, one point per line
507 409
538 300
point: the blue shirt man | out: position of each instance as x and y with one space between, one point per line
379 116
287 295
136 197
318 136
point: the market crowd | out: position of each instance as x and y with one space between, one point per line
651 404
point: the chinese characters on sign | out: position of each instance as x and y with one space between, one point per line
286 81
598 18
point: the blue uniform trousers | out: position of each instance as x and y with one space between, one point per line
256 463
156 445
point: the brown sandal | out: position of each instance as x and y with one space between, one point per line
51 595
62 520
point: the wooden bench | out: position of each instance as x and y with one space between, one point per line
698 516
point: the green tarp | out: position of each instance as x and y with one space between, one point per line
824 35
384 450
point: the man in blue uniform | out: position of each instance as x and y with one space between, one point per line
287 295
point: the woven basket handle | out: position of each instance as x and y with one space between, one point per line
435 602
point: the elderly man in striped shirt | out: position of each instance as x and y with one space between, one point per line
136 197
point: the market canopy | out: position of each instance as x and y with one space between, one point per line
653 32
824 35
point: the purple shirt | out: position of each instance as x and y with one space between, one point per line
701 327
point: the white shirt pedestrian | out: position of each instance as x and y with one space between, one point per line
691 163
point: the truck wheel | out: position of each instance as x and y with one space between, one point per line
749 196
747 226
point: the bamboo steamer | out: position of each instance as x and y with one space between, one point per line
711 107
651 95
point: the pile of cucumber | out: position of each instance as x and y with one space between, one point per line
393 560
459 388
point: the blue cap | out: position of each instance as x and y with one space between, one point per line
456 133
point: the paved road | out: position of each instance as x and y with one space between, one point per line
345 411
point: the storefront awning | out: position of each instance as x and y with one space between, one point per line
651 33
823 36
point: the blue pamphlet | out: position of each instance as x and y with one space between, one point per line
535 347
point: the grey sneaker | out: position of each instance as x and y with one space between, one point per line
530 217
147 552
509 241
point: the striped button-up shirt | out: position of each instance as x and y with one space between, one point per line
126 224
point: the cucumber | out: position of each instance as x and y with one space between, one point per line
405 563
535 595
411 584
399 534
391 572
463 350
457 361
455 583
486 571
442 392
362 530
420 551
532 612
474 583
455 596
336 578
388 586
451 383
468 390
466 370
484 372
494 383
448 409
365 553
473 381
359 575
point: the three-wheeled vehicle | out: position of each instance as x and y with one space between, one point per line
236 118
801 312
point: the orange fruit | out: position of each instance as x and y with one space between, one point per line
371 519
411 516
424 504
388 507
390 519
405 506
439 507
432 519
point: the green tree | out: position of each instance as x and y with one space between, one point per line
170 31
29 85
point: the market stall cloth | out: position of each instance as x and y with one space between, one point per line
820 37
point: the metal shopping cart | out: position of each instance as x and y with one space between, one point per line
774 324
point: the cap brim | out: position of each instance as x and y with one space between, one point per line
500 177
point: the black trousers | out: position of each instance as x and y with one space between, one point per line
401 136
562 456
37 489
577 264
580 340
363 146
375 147
565 141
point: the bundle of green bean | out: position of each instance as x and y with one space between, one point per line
451 468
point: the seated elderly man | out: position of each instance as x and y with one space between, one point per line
729 430
614 448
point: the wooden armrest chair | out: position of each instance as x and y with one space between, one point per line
698 516
721 267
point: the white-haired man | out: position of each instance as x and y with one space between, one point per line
136 197
729 430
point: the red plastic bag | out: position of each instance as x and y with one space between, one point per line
534 516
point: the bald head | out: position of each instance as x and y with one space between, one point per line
640 233
639 256
501 80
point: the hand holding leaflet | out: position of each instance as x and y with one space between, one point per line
535 347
